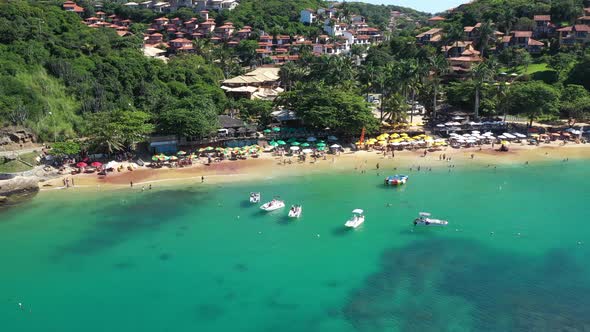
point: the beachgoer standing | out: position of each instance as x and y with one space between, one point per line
202 179
377 165
150 187
131 184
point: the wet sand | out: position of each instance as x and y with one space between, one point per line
268 167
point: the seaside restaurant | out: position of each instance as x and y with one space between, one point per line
163 144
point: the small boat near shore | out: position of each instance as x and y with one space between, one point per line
396 180
295 211
254 197
425 220
273 205
356 220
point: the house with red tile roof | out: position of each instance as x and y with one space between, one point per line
522 39
578 34
543 25
70 6
436 20
180 45
431 36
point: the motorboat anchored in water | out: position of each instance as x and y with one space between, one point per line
295 211
396 180
425 220
275 204
254 197
356 220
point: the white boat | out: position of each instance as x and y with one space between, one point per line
356 220
425 220
275 204
254 197
295 211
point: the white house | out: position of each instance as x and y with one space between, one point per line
307 16
334 28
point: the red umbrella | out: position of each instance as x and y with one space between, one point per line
81 164
96 164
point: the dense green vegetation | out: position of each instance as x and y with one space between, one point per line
65 80
56 75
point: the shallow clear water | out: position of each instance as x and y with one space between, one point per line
203 258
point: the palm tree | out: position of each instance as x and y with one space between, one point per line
453 35
395 108
479 75
291 73
486 33
439 66
507 18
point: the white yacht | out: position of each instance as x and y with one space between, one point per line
275 204
425 220
356 220
254 197
295 211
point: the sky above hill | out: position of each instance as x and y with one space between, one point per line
429 6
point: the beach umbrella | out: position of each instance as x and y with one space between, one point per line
307 150
295 143
155 158
181 153
305 145
311 139
209 148
321 145
81 164
273 143
321 148
266 131
174 158
294 148
96 164
276 129
281 142
332 138
292 139
335 146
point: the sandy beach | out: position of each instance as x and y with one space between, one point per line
268 167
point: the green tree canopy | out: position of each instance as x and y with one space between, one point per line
535 100
321 106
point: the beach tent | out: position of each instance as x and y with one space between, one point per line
273 143
295 143
114 164
321 144
276 129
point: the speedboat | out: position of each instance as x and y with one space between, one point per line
425 220
356 220
295 211
396 180
275 204
254 197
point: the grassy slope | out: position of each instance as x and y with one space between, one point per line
14 166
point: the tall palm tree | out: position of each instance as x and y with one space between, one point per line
507 18
479 75
486 33
439 66
453 35
292 73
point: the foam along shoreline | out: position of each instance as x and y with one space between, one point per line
268 167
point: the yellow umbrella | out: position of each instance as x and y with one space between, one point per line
395 135
535 135
504 142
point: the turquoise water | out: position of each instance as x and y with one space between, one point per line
200 258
